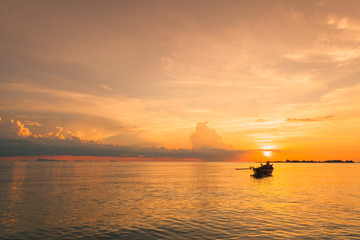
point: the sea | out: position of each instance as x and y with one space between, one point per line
178 200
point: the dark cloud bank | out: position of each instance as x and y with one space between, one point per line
37 147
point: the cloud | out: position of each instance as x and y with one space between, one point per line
31 123
13 128
232 61
73 147
260 120
106 87
344 23
207 145
301 119
207 138
70 126
308 119
58 133
23 131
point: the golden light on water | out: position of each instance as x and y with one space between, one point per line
177 191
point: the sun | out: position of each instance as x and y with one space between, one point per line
267 153
268 150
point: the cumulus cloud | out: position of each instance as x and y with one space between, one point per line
14 129
58 133
205 137
23 131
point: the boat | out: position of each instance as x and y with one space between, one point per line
263 171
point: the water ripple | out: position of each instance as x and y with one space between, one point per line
176 201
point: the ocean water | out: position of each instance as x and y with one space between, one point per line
116 200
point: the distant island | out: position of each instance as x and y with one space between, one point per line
47 160
312 161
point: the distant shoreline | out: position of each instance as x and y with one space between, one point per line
312 161
286 161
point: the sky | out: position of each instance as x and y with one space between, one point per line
198 80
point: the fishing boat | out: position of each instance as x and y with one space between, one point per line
263 171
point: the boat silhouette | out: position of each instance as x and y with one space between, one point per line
263 171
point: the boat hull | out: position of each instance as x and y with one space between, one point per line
263 171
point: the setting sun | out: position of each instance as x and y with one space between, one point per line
267 153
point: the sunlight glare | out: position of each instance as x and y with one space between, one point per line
267 153
268 150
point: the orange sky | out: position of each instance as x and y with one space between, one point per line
238 76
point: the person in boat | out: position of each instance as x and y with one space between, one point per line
268 165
